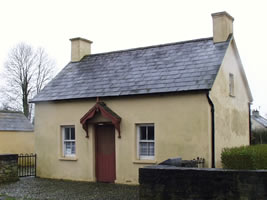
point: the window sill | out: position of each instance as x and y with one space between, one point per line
145 162
68 158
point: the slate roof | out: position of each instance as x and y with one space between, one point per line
175 67
14 121
261 120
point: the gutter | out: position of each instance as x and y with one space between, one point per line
249 118
212 110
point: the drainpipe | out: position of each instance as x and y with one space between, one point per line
212 110
249 126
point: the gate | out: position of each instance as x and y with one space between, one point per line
26 165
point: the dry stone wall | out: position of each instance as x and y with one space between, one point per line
8 168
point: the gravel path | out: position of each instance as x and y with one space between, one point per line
37 188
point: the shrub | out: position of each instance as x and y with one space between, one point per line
245 157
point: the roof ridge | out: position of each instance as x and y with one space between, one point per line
261 117
148 47
258 116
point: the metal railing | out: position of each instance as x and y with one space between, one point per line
27 165
200 162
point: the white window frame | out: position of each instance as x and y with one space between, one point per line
70 140
231 84
139 140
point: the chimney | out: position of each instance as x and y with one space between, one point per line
79 48
222 26
255 113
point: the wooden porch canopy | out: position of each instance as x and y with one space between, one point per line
105 112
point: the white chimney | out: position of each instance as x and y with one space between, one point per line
79 48
222 26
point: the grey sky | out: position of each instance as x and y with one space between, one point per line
122 24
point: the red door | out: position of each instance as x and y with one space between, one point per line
105 153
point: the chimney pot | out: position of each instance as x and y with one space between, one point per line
256 113
79 48
222 26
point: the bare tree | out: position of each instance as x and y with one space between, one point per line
26 72
44 71
5 106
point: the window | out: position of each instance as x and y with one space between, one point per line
68 136
231 85
146 141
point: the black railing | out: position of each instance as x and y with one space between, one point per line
27 165
200 162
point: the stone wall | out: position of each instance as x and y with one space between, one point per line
8 168
169 183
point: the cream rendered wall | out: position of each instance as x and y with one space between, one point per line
182 128
16 142
231 113
79 48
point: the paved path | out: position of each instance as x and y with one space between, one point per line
36 188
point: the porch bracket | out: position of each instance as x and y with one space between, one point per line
105 112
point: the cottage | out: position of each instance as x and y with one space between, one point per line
258 123
16 133
106 115
258 128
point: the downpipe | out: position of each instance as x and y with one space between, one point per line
212 110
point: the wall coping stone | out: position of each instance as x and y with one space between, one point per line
168 167
5 157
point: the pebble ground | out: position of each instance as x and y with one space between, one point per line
37 188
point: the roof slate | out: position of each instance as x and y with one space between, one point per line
14 121
261 120
175 67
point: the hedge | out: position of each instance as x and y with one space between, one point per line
245 157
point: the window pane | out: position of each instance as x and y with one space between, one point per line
73 148
143 149
143 133
67 148
67 134
72 133
151 149
151 133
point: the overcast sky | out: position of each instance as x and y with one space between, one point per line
121 24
